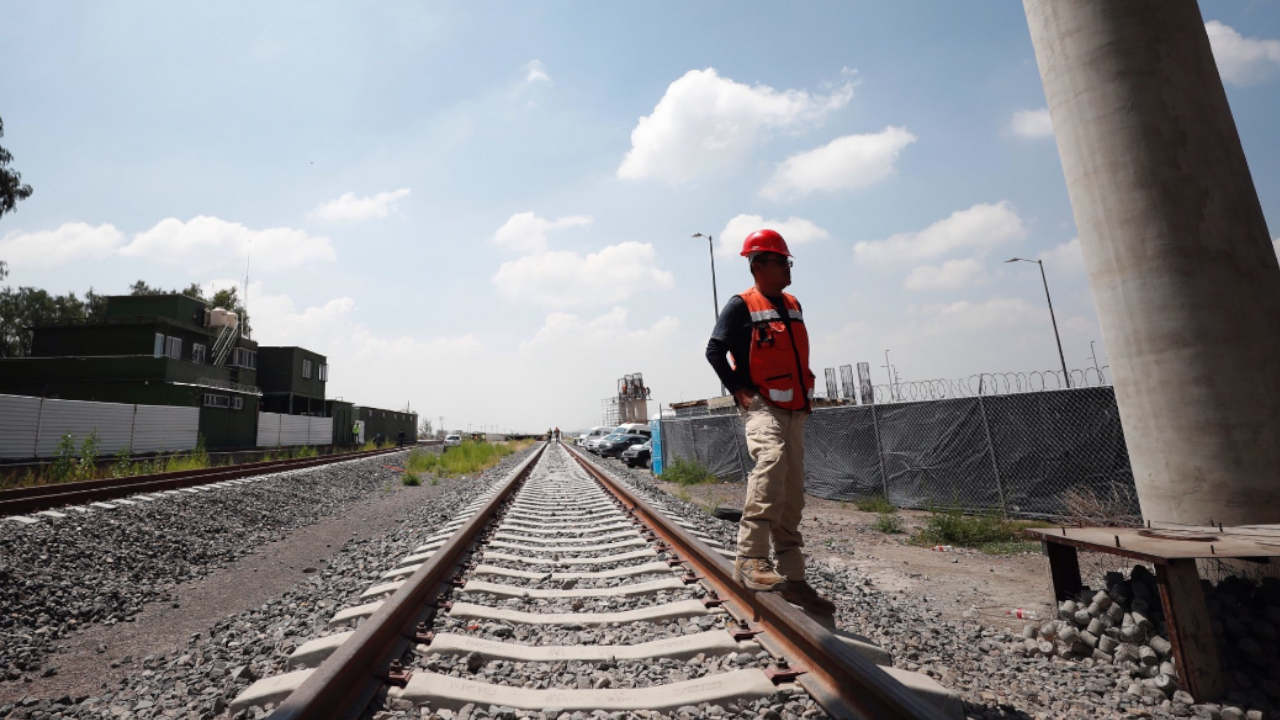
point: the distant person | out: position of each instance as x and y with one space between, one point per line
557 435
400 439
763 330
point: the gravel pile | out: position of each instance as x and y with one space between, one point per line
62 575
198 681
1124 624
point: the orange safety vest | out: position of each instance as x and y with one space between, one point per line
779 361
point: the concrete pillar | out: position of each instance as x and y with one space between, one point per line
1183 270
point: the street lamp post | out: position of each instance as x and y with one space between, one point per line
1066 376
715 295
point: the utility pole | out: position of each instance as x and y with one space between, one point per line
715 295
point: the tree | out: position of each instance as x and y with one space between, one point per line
11 188
24 307
425 429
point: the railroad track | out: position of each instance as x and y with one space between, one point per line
44 498
561 589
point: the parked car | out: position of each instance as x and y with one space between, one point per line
452 440
593 444
638 454
594 433
633 429
613 445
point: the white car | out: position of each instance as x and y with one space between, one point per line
587 438
452 440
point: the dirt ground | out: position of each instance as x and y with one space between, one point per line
963 583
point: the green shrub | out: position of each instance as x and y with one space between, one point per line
687 472
989 532
410 479
468 458
306 451
123 464
877 504
435 481
888 522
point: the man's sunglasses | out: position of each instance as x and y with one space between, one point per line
788 262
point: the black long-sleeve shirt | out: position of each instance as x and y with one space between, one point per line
732 334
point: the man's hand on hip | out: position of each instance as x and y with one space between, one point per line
744 397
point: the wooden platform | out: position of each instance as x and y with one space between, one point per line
1174 552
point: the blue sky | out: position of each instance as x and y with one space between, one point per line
460 205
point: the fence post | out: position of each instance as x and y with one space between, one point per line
35 449
133 428
739 437
693 434
875 423
991 448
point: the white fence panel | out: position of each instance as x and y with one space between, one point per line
78 418
268 429
163 428
320 431
18 418
293 429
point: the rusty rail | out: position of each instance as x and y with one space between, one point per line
844 683
345 683
16 501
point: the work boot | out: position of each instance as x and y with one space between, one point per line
757 574
799 592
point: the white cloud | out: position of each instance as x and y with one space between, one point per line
1032 123
705 125
852 162
567 279
527 232
1241 60
534 72
977 229
796 231
1064 258
368 368
51 248
207 243
951 275
350 207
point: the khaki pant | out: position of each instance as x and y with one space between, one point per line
775 489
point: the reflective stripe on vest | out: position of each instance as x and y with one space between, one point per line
781 396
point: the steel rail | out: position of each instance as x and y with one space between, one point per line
16 501
344 684
844 683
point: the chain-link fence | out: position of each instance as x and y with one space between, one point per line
1037 454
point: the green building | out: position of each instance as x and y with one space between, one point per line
292 380
387 423
150 350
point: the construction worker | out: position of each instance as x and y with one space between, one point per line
763 330
557 434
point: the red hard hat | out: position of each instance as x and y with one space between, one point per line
764 241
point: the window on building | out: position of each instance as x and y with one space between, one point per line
197 353
237 403
242 357
159 349
306 369
324 372
174 348
211 400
